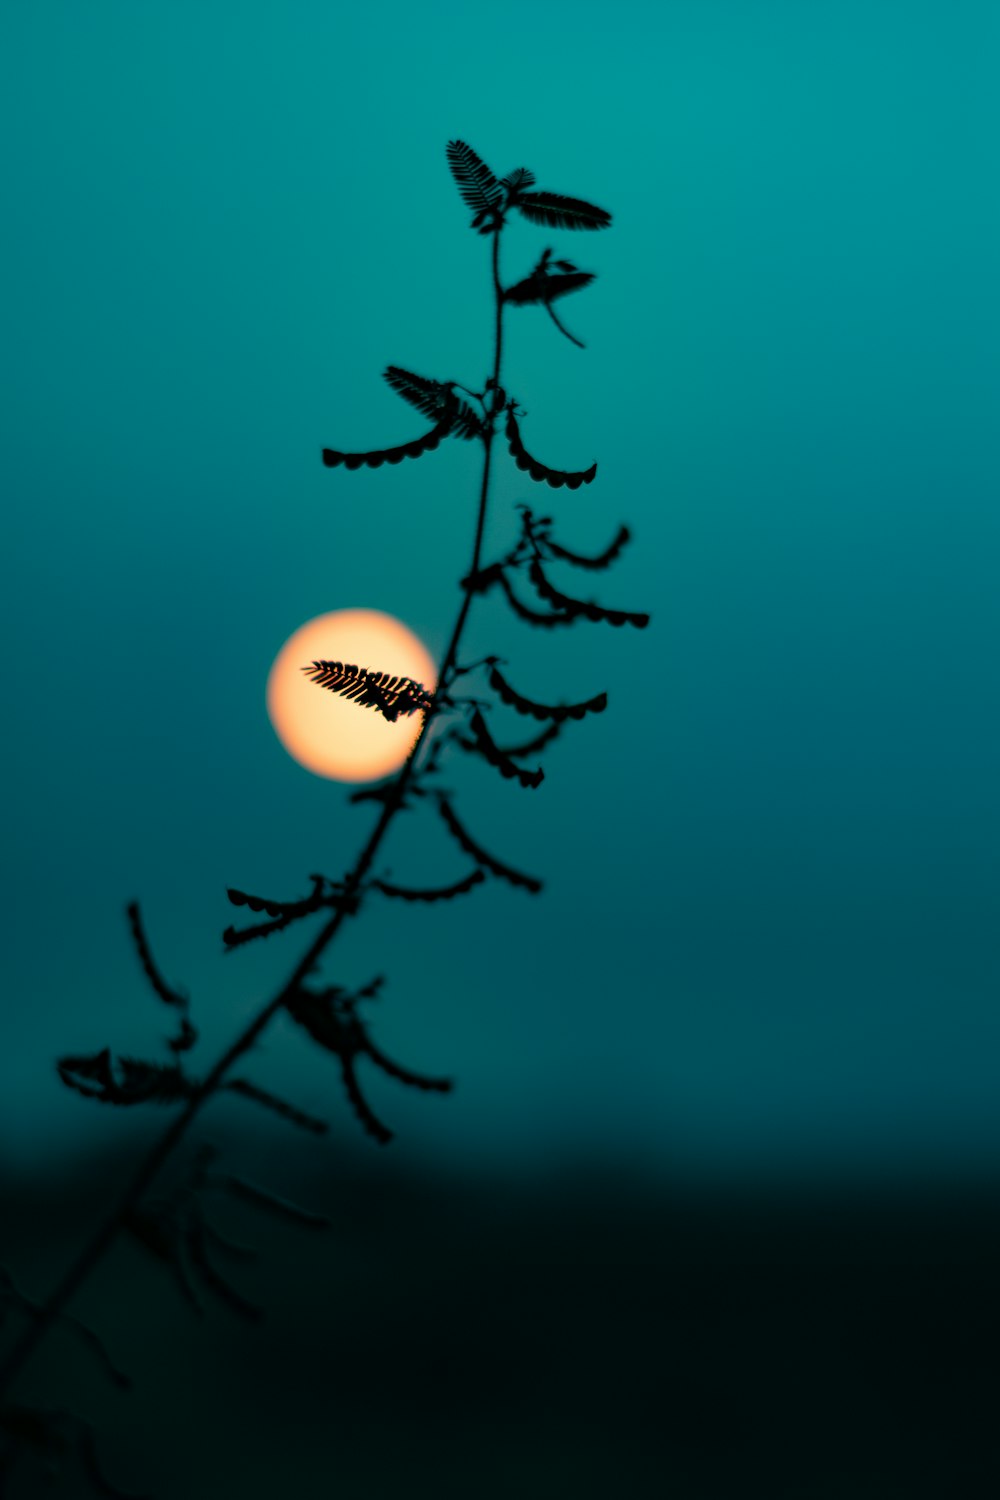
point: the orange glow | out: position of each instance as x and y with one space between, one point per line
330 735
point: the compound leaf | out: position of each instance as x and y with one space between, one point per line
332 457
479 188
558 712
602 560
487 747
437 893
391 695
560 212
465 841
577 608
555 477
540 287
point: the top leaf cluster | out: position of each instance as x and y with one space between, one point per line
491 197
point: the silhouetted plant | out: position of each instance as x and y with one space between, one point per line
175 1228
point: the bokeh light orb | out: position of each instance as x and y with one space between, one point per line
330 735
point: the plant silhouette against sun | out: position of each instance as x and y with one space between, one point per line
175 1228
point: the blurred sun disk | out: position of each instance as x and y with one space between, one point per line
330 735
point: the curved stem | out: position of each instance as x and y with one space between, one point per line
562 327
93 1252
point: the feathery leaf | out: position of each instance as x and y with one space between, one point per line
533 746
432 397
539 471
378 456
485 579
464 421
487 747
280 908
601 561
391 695
140 1083
336 1028
406 1075
580 607
473 178
560 212
169 997
558 712
539 287
284 913
515 182
465 841
436 399
344 1036
439 893
531 616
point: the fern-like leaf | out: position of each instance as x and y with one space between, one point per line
602 560
531 616
555 477
431 397
479 188
495 574
284 913
534 745
406 1075
560 212
363 1111
235 937
281 908
464 421
391 695
559 712
437 399
465 841
169 997
518 181
343 1035
539 287
437 893
483 580
333 1025
139 1083
580 607
186 1035
378 456
487 747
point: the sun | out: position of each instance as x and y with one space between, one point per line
329 735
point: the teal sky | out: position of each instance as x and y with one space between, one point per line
769 937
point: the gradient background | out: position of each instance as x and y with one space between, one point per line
766 955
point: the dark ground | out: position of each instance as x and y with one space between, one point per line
591 1334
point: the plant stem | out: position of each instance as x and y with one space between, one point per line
93 1252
